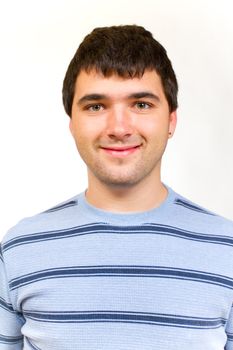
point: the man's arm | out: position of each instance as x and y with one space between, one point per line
10 321
229 331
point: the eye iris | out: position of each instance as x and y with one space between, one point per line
142 105
96 107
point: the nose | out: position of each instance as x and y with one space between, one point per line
119 124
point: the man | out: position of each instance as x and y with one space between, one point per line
128 263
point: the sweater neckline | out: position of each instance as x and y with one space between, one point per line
120 217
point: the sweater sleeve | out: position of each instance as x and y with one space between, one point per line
11 321
229 331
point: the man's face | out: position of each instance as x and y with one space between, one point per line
121 126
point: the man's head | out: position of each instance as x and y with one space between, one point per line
127 51
121 94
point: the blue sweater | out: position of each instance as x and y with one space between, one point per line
77 277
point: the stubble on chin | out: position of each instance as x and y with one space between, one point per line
120 175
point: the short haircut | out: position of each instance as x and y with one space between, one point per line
127 51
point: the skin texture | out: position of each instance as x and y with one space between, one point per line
121 128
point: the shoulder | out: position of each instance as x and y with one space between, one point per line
48 220
199 218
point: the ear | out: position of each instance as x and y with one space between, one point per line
172 123
71 127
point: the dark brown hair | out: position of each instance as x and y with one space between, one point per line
127 51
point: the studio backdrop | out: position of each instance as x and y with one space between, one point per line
40 166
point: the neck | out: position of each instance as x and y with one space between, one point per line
137 198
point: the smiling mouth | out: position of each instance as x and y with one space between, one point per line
121 151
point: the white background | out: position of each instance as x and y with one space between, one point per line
40 166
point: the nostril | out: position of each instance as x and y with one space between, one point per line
119 137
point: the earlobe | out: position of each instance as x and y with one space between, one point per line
172 123
71 127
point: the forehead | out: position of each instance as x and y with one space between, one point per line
94 82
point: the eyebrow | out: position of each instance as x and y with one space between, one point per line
144 94
137 95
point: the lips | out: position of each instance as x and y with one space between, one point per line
121 151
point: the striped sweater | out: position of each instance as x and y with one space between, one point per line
77 277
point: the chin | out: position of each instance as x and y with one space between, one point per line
118 182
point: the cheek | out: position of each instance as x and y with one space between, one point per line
86 142
82 141
154 130
91 127
85 132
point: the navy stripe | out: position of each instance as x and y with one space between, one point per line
102 228
126 317
1 256
192 206
62 206
50 235
10 340
6 306
122 271
229 336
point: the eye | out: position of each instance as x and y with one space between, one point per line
95 107
142 105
